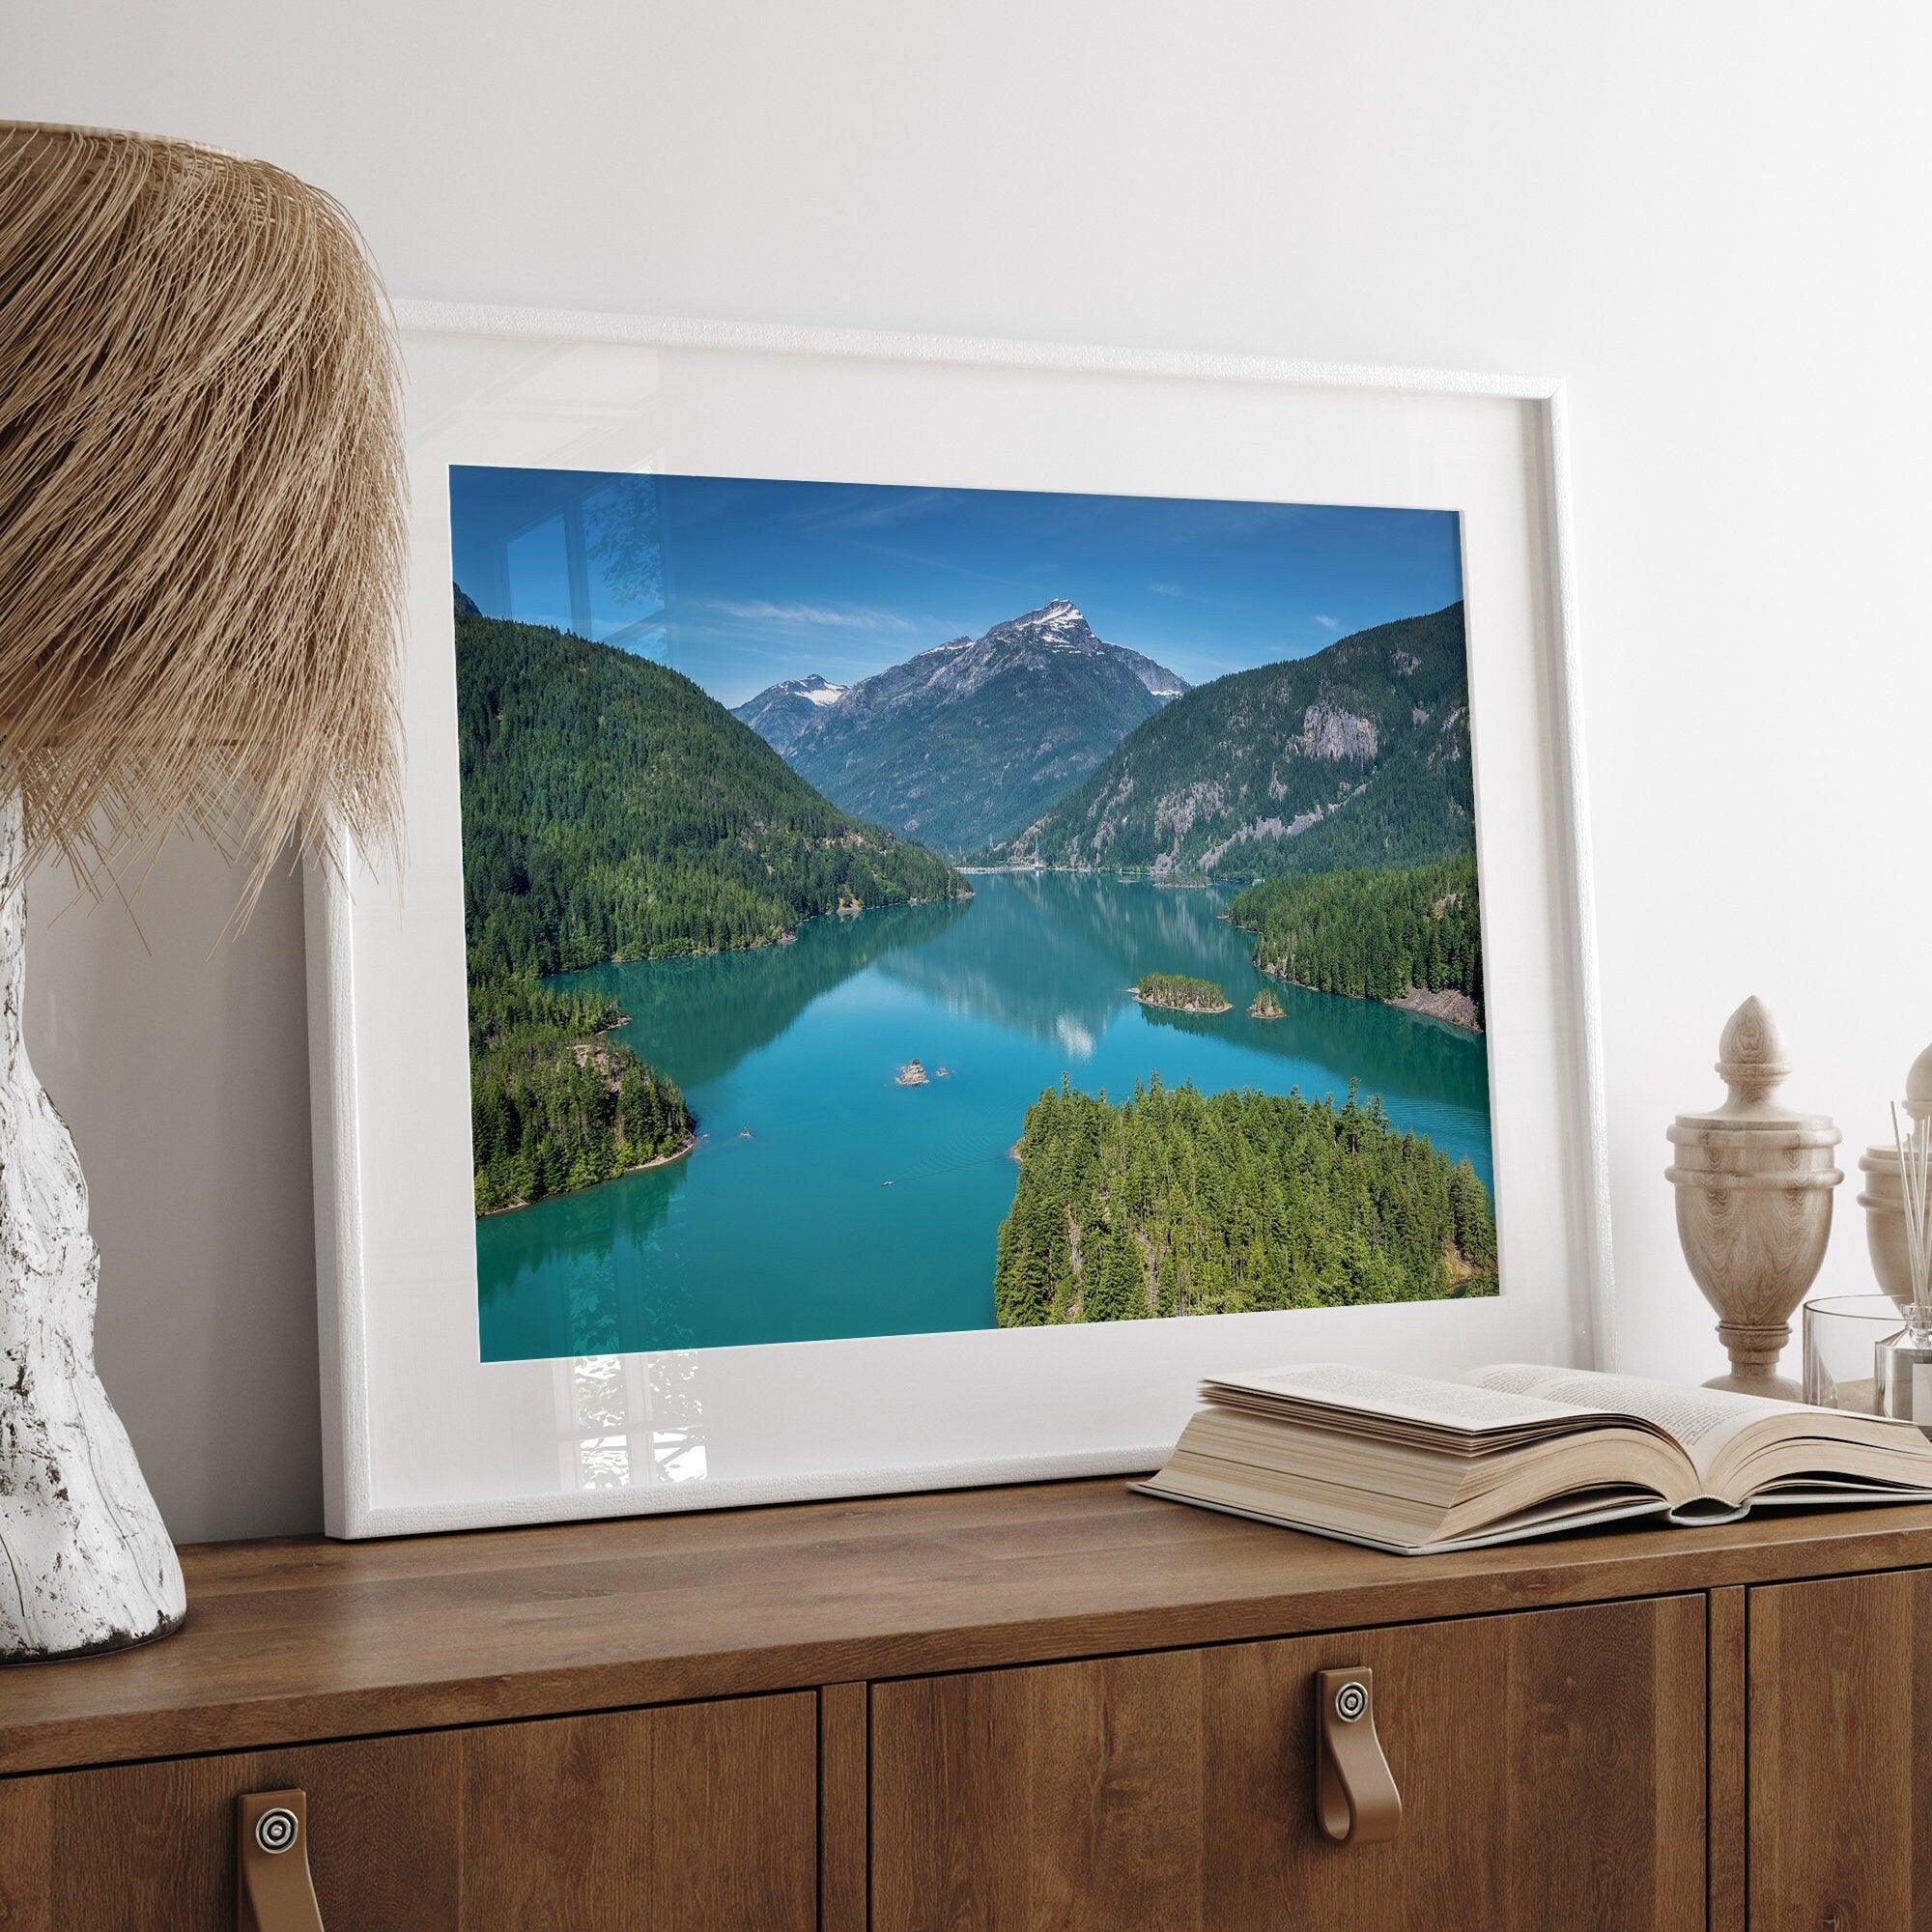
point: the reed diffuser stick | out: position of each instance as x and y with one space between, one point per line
1912 1131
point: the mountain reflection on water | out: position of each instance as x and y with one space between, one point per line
826 1200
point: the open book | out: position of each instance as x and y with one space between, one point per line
1405 1463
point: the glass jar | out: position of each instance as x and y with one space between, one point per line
1841 1335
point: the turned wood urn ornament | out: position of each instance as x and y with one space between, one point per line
1884 1195
1754 1183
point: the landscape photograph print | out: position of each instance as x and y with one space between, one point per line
895 910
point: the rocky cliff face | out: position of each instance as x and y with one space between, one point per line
1357 755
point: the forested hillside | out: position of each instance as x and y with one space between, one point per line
1180 1203
613 810
1372 935
1357 756
552 1107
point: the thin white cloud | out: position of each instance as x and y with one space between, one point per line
868 507
1165 589
1328 623
817 617
928 562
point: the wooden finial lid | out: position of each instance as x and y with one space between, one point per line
1752 1063
1919 1087
1750 1055
1919 1081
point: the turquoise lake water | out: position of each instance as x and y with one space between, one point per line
823 1200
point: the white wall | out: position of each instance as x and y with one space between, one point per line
1710 218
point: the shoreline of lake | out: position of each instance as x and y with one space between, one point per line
676 1154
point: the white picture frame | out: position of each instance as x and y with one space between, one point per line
420 1434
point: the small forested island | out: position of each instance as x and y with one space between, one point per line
1180 1203
1412 938
1180 993
552 1106
1265 1006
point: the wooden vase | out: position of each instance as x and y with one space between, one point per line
1754 1183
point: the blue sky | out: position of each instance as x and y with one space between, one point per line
739 582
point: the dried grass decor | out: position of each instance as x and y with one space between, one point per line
201 511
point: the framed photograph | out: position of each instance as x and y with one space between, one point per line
951 890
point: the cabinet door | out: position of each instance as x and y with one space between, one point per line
692 1818
1550 1765
1840 1743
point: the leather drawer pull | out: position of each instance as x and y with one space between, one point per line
274 1890
1355 1799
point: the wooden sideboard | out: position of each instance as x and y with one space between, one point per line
1008 1710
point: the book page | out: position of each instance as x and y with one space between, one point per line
1459 1405
1703 1421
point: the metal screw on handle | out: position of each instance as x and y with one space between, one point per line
1352 1702
277 1829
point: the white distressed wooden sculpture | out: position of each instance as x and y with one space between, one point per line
85 1561
1754 1185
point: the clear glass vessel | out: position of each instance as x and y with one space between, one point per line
1842 1335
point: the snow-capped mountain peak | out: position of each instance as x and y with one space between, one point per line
1059 624
1058 613
781 710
